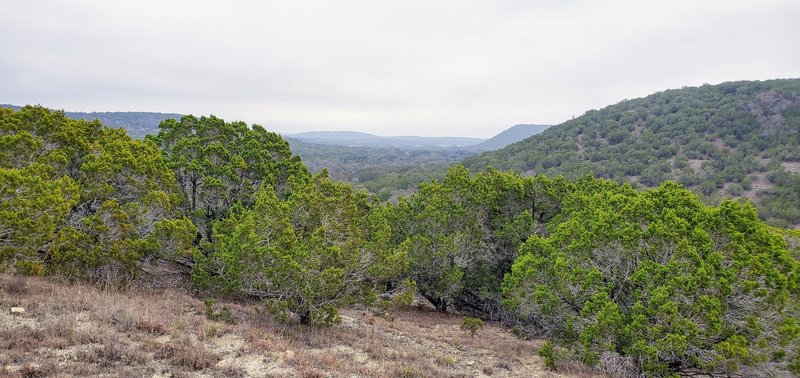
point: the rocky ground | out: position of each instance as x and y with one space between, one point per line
82 330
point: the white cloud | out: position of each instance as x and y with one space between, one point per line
410 67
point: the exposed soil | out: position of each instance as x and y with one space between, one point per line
793 166
82 330
760 182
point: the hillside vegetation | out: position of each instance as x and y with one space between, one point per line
392 172
623 281
386 166
138 124
387 172
511 135
738 139
359 139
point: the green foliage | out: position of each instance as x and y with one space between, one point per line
33 206
83 200
548 355
463 234
716 140
218 164
660 277
318 249
223 314
406 295
652 280
472 325
387 172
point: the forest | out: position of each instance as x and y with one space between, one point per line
736 139
630 280
386 172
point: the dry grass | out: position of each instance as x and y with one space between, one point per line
81 330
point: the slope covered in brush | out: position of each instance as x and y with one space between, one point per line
510 135
737 139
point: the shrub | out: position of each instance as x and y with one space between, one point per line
223 314
472 325
661 278
305 256
547 354
15 285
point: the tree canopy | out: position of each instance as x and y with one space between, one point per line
81 199
218 164
663 280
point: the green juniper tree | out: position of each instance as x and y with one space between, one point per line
83 200
659 280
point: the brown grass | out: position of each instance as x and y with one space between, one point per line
73 329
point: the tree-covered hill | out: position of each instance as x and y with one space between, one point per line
392 171
359 139
387 172
737 139
138 124
513 134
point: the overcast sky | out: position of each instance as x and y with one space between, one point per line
469 68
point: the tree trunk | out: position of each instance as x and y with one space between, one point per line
194 193
439 303
209 218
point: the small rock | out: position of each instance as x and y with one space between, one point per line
470 363
17 310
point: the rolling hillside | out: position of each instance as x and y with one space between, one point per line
359 139
513 134
387 172
736 139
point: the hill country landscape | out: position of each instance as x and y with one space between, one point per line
410 189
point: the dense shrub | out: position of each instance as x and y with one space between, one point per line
657 276
463 234
83 200
307 255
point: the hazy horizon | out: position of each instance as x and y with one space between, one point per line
447 68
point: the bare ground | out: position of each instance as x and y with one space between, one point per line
696 164
760 182
791 166
82 330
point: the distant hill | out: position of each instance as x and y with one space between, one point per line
387 172
334 135
138 124
513 134
392 168
737 139
359 139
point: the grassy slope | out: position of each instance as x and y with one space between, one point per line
82 330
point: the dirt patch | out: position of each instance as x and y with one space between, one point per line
719 144
697 164
760 182
793 166
768 108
